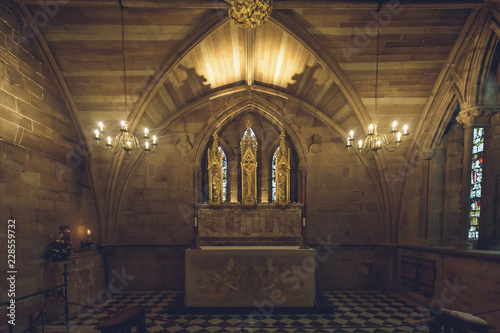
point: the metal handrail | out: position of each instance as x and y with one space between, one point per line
64 286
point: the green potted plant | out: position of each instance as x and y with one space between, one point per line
58 249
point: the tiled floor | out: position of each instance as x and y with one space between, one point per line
354 312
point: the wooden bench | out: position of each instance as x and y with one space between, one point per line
123 321
460 322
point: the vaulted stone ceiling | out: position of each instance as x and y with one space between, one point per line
178 53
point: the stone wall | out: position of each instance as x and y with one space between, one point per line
85 283
465 281
44 179
431 205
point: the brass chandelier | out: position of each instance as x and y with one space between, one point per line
250 13
123 139
375 141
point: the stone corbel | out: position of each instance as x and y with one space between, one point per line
427 153
478 116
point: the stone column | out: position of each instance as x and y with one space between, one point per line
436 198
426 155
478 116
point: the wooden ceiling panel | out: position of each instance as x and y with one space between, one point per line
414 45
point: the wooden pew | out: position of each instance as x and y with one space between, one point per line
460 322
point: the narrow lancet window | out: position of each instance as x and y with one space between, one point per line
224 174
476 179
273 175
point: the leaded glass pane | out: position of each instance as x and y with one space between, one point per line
252 134
273 176
476 180
224 175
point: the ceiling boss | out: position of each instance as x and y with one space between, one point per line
250 13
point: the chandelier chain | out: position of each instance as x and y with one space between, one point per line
123 56
377 56
375 141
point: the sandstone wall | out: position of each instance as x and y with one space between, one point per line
44 178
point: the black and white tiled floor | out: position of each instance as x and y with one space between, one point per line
354 312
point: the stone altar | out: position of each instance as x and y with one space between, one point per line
249 276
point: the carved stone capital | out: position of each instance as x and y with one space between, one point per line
427 153
477 116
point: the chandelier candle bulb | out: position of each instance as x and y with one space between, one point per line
146 133
351 134
109 141
88 235
395 126
154 139
101 126
370 129
405 130
123 126
147 146
398 137
360 144
96 134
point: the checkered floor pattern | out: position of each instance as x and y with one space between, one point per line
354 312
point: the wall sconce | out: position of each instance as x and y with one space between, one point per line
88 243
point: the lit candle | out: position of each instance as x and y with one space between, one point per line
96 134
360 144
123 125
154 139
370 129
145 132
88 235
405 129
394 125
351 134
109 140
101 126
399 137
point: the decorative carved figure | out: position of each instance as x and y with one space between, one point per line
183 146
215 171
283 173
248 147
316 146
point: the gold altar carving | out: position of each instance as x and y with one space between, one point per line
248 147
283 173
215 172
262 225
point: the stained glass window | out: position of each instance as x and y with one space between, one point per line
252 134
224 174
476 178
273 175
